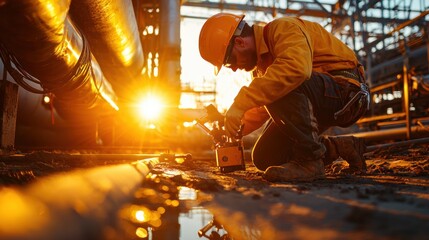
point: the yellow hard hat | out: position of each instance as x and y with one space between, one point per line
215 36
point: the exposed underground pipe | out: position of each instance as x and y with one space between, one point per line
78 205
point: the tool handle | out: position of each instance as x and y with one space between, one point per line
239 133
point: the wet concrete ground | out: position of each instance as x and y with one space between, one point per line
391 201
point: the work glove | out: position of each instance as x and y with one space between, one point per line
233 120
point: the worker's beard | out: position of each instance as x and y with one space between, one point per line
251 60
249 69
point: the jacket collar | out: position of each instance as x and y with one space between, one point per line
265 58
261 47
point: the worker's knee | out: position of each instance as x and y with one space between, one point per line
262 159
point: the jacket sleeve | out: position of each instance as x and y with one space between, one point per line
291 48
253 119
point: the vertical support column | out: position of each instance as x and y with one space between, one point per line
353 33
383 25
427 42
407 102
406 90
8 112
169 33
366 47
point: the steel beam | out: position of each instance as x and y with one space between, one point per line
320 13
401 26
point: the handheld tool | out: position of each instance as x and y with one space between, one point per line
229 150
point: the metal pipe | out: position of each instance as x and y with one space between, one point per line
384 86
111 29
76 205
406 91
424 120
397 144
43 43
169 32
392 134
380 117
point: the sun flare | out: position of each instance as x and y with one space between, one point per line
151 107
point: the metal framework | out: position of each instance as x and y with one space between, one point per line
390 37
360 23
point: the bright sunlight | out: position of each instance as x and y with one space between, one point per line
151 107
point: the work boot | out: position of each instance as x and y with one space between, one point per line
296 171
349 148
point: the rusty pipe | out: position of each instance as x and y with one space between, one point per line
44 42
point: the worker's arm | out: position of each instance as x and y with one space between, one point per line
253 119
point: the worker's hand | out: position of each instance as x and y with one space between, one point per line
233 120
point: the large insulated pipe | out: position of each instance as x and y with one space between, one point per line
39 39
111 29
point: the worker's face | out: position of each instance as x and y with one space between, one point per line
243 55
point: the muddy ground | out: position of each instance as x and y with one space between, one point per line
390 201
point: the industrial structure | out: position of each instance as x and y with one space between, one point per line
82 66
95 138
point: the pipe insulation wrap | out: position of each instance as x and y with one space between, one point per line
111 29
42 42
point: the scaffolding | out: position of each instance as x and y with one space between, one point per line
390 38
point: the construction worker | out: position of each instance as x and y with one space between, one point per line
305 81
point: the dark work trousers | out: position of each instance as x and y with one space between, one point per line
296 121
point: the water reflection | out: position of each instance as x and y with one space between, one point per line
186 193
162 210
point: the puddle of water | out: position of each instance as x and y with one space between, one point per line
197 222
161 210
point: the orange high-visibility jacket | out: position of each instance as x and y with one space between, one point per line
296 47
